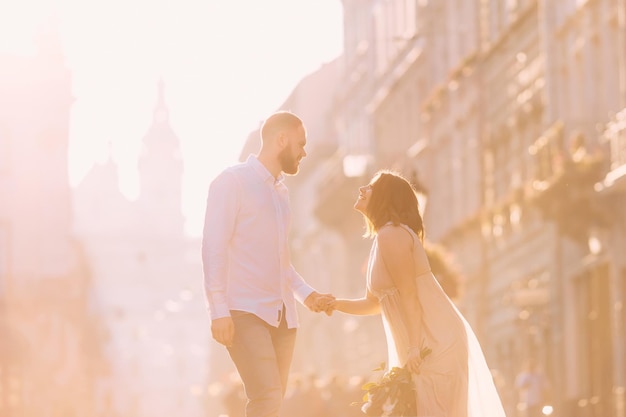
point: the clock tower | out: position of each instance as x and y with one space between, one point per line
160 173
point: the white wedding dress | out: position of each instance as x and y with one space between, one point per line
454 380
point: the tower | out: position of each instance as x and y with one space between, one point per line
160 173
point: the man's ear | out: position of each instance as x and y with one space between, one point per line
282 140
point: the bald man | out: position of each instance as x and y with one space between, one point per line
250 284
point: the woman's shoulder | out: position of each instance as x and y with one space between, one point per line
394 235
397 229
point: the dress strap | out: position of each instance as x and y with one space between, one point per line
411 231
404 226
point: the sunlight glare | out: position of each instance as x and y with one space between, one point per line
19 21
224 71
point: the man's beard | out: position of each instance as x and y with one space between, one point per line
288 164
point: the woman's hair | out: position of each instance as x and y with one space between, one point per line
393 199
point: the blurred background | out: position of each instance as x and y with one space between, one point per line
509 116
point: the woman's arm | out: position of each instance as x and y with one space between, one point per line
396 249
366 306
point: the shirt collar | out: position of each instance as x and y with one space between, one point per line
262 172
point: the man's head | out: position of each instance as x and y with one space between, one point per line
283 137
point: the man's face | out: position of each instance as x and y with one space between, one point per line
291 155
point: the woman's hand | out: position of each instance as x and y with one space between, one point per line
329 307
414 360
317 302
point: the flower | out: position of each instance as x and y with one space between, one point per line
393 394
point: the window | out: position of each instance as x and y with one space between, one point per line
623 307
595 339
4 258
5 148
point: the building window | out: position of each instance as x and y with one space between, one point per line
489 177
623 324
4 258
596 355
502 150
395 25
616 134
5 149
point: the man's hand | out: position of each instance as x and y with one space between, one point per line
317 302
223 330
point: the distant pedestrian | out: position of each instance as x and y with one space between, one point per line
532 385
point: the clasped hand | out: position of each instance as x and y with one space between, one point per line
317 302
223 329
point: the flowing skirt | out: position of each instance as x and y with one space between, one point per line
454 379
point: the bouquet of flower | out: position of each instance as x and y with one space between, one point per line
393 394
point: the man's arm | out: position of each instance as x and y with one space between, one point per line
219 223
301 289
307 295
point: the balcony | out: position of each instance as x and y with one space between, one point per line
615 136
337 195
563 187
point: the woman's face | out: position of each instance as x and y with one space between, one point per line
365 193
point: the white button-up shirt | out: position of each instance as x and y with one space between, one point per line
245 248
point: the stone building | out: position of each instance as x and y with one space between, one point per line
145 275
510 114
50 332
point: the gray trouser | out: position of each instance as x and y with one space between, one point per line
262 355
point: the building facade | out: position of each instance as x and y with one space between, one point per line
50 332
145 276
511 115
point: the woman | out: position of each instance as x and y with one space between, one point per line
453 380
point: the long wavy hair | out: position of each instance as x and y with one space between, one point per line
393 199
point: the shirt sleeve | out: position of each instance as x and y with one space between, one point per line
219 223
301 289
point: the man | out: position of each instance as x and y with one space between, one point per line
251 286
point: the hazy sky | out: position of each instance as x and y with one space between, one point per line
226 64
